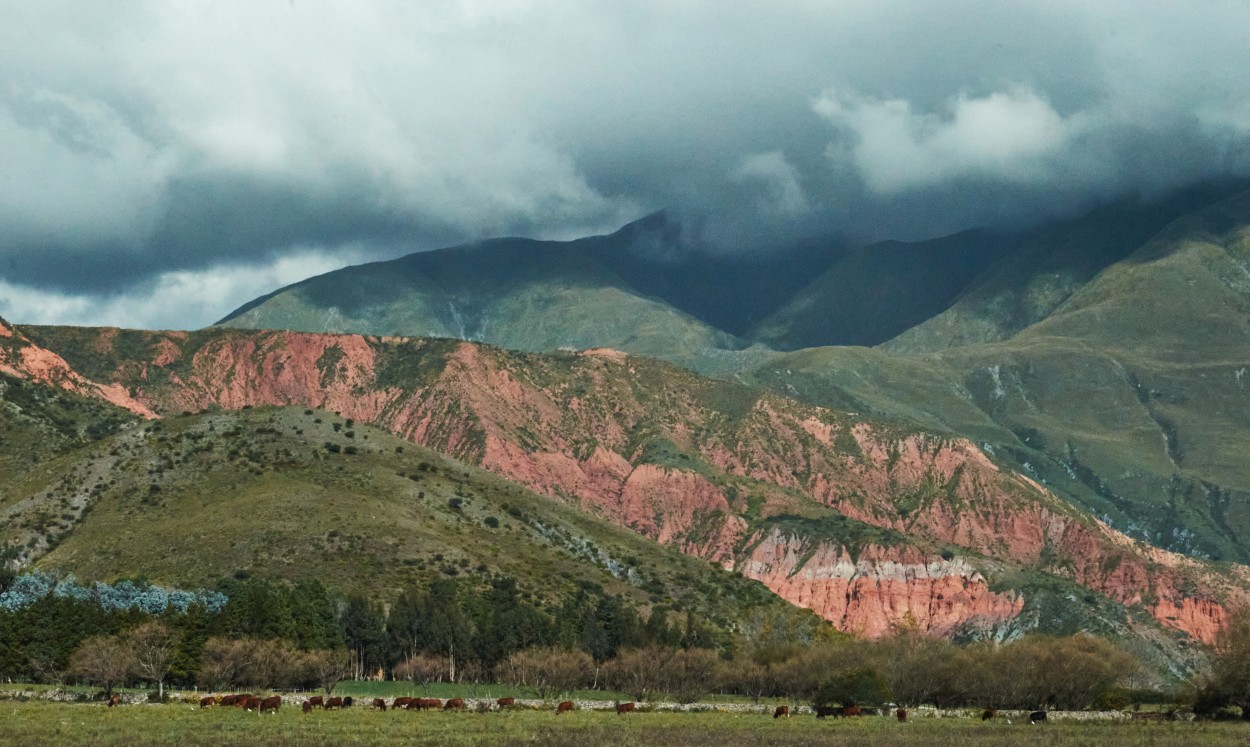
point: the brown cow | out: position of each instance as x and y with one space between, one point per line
379 703
852 711
988 714
782 711
272 703
433 703
505 702
114 700
317 701
454 704
565 706
248 702
207 701
623 708
335 702
306 706
901 715
229 700
401 702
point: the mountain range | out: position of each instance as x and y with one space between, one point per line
979 434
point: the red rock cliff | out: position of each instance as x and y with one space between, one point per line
676 458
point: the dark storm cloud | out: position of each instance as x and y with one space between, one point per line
165 162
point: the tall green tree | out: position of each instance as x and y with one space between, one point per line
364 632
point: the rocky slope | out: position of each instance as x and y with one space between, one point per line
866 522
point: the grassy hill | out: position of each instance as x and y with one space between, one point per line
1127 396
292 493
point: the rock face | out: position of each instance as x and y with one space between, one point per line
882 586
21 358
699 464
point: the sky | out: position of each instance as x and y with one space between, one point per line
166 161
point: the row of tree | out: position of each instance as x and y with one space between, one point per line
470 629
258 633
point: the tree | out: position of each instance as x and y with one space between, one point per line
851 687
330 666
1230 671
911 664
364 631
690 673
153 647
639 671
103 660
548 670
421 669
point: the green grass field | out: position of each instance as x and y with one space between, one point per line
44 723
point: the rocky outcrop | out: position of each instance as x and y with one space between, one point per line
880 587
21 358
686 461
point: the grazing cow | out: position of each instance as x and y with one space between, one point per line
989 714
1037 717
901 715
379 703
623 708
335 702
433 703
229 700
272 703
317 701
347 702
114 700
823 711
207 701
565 706
248 702
400 703
306 706
852 711
505 702
454 704
782 711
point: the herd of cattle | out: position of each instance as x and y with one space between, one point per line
256 703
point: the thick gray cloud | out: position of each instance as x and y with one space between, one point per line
152 147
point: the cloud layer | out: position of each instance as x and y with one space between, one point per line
157 147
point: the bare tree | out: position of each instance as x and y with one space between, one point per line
690 673
222 662
331 666
421 669
153 646
639 671
103 660
548 670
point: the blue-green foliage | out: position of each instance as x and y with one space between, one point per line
29 588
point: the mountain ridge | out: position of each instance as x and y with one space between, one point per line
708 467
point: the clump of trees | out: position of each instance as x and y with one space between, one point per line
910 668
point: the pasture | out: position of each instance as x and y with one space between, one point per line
50 723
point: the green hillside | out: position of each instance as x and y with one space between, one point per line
289 493
1128 396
